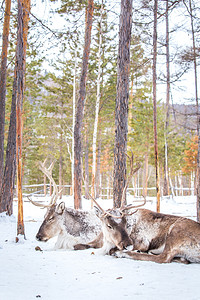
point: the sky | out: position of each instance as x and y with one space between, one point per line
50 46
181 91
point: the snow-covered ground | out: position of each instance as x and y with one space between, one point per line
27 274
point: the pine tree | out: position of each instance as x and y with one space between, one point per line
3 75
79 110
121 110
22 34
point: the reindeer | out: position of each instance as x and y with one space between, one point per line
70 225
160 238
118 239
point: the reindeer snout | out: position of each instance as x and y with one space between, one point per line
125 241
121 246
40 238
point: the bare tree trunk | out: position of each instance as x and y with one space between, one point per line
74 114
98 176
197 109
3 75
171 186
154 105
190 11
61 169
94 145
166 176
145 175
8 183
23 19
86 163
79 110
121 109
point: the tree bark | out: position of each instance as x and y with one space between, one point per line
121 109
86 163
61 169
74 114
155 105
98 175
8 183
166 176
197 110
145 174
94 145
22 33
3 75
79 110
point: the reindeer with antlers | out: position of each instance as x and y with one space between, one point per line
158 237
116 223
69 225
154 236
76 227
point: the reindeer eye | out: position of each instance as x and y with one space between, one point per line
109 226
51 218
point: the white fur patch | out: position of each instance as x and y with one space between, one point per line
121 254
67 241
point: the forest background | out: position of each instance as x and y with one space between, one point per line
53 65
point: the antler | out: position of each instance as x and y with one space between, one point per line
48 172
123 208
133 206
97 204
132 172
106 213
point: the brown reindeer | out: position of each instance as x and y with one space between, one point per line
118 239
158 237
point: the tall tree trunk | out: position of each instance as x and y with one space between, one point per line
197 110
94 145
155 105
80 108
98 175
7 190
166 176
3 75
121 109
61 168
22 33
86 163
145 174
74 114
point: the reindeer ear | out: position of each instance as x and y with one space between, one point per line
60 208
97 211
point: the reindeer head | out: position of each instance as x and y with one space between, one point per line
114 223
51 225
114 228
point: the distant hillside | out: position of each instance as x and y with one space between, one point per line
184 117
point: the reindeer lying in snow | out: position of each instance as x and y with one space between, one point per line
160 237
74 227
70 225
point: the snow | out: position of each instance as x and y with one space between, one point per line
48 274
